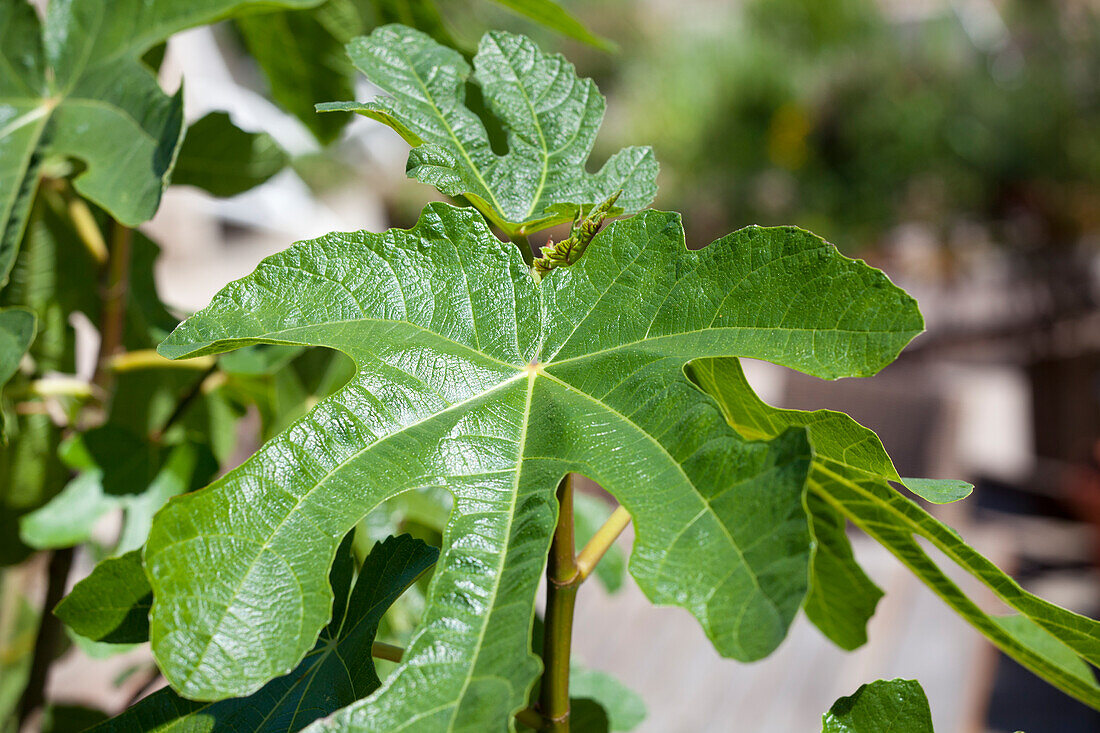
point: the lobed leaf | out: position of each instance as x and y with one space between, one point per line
851 474
336 672
472 377
76 87
883 706
551 118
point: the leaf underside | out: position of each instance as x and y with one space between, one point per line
474 378
850 478
550 115
76 87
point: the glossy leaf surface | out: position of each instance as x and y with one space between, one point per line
336 672
76 87
883 706
851 474
551 118
473 377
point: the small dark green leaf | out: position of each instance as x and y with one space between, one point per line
884 706
17 327
337 672
550 115
112 604
222 159
938 491
624 708
70 718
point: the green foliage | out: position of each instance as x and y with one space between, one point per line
76 87
17 326
850 478
336 672
219 157
528 366
453 389
885 706
550 115
112 604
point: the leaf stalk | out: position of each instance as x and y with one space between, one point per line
602 541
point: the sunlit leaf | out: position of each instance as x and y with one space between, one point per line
473 377
550 115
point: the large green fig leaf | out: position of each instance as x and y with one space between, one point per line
76 87
550 115
473 377
883 706
850 478
336 672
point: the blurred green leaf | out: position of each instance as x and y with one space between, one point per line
17 327
29 477
19 627
550 14
301 53
884 706
112 604
224 160
624 708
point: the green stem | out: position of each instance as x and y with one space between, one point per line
524 245
562 581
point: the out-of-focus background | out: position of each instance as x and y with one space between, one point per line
953 143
